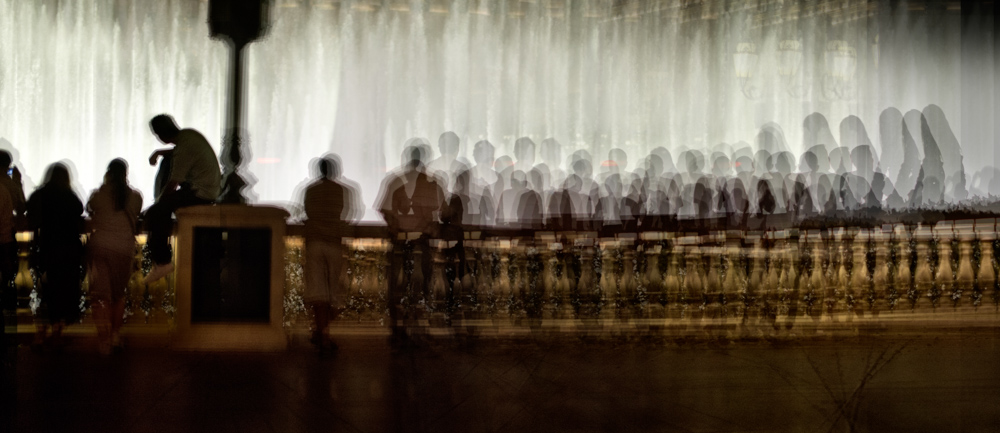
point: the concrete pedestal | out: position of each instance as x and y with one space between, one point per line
230 278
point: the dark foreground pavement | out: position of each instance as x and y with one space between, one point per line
913 382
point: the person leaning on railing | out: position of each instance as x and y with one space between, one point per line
329 203
410 203
55 214
114 212
12 207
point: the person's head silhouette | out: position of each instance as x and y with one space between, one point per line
57 176
164 127
117 171
524 151
448 144
483 152
413 156
328 167
5 160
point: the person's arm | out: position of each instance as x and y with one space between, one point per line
17 196
155 156
90 204
134 210
181 164
308 202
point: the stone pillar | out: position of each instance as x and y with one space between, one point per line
230 278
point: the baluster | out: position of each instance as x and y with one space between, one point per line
694 285
816 283
904 284
769 295
654 280
881 280
634 298
586 284
713 283
860 283
672 283
438 283
944 280
751 291
564 285
986 278
731 281
965 278
923 278
547 256
607 284
790 279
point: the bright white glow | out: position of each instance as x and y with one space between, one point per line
80 80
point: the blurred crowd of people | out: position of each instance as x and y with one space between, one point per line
919 165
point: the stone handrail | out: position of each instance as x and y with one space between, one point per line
766 281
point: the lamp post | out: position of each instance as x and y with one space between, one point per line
841 62
238 23
789 63
745 61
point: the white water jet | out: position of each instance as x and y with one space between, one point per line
80 80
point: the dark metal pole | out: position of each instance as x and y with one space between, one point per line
238 23
233 141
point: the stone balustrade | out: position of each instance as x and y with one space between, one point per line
761 282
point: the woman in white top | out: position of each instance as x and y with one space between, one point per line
114 211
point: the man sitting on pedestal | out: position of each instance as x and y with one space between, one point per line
194 180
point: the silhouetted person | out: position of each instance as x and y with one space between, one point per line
12 207
410 201
581 192
10 179
329 204
935 127
862 180
484 179
814 177
766 202
194 180
460 201
507 211
782 179
816 132
8 271
452 233
890 132
800 201
771 138
447 165
932 168
530 204
504 166
114 213
524 153
55 214
905 175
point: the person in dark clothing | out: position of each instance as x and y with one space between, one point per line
11 220
330 204
410 201
55 214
